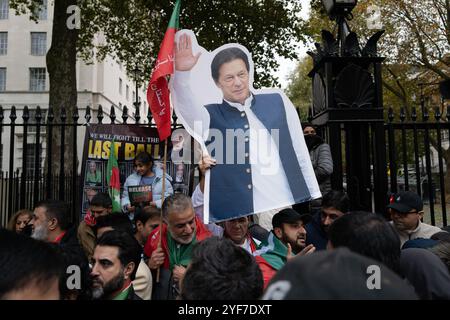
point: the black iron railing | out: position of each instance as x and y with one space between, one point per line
416 150
24 183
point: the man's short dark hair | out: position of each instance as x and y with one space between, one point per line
24 260
227 55
220 270
336 199
368 234
117 221
143 215
56 209
129 249
177 202
101 199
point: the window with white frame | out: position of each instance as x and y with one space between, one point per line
32 121
38 43
127 94
41 12
2 79
445 135
3 43
4 9
120 86
30 160
37 79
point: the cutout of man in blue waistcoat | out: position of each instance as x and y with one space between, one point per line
254 135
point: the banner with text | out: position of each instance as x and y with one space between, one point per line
129 140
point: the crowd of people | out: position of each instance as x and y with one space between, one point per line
162 250
326 253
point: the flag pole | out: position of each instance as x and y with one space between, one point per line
162 201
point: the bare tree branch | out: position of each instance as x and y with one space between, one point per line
402 89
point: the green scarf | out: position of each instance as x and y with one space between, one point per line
179 254
124 294
273 251
94 177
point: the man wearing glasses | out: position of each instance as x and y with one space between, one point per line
406 210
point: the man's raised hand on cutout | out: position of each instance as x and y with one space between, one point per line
184 58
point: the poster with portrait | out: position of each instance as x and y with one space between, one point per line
129 140
255 136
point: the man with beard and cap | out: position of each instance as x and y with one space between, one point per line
337 275
406 210
288 238
334 205
114 265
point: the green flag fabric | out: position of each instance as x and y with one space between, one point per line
273 251
113 179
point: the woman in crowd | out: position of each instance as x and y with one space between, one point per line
20 220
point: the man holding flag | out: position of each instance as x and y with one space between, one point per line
159 101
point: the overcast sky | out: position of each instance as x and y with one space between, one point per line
286 65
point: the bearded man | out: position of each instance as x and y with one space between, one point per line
287 239
114 264
181 230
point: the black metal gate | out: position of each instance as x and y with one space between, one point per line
23 184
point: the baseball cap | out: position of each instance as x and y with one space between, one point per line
338 274
289 216
406 201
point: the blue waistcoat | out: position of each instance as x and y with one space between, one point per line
231 189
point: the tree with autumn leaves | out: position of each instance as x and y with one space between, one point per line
416 44
131 32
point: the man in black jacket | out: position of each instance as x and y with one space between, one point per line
51 224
